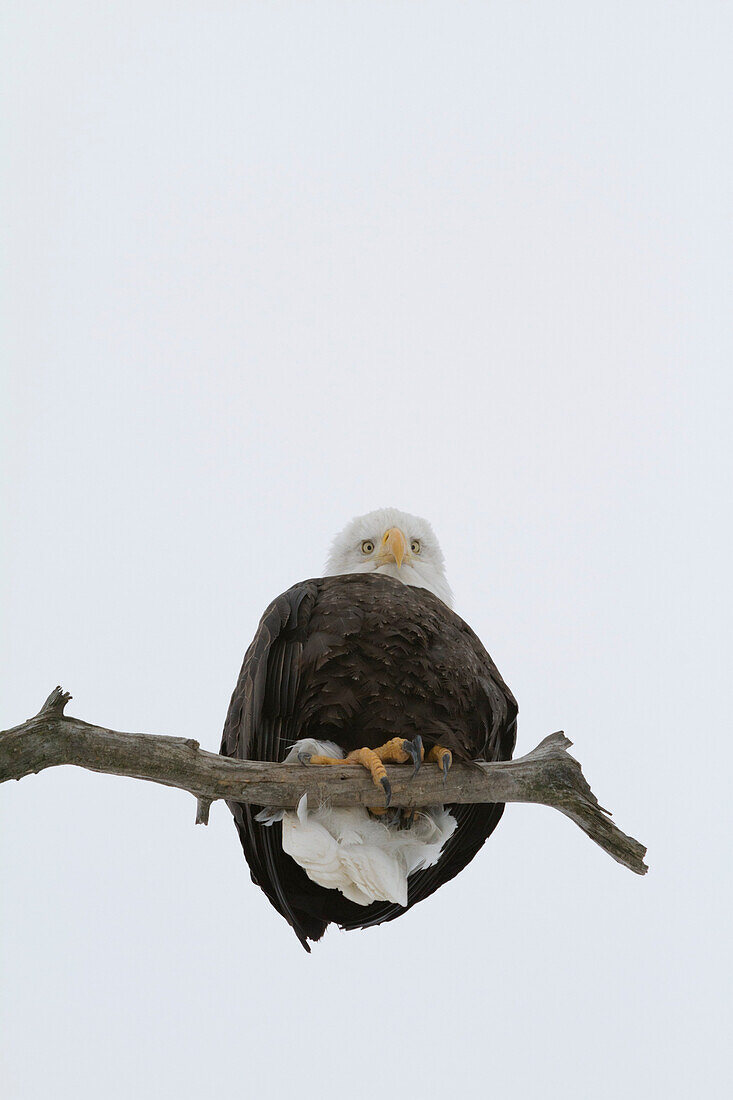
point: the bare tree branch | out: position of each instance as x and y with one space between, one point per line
547 775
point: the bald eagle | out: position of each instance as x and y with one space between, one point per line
366 665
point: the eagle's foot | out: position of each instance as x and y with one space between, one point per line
371 760
399 750
442 757
368 759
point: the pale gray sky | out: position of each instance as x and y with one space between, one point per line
274 264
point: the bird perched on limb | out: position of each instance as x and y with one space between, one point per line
365 666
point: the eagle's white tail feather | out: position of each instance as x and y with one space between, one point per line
351 851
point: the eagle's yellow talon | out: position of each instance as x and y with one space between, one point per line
394 751
397 751
442 757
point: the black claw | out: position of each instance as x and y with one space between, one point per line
414 750
387 789
445 764
305 757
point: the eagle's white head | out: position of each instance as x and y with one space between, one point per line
395 544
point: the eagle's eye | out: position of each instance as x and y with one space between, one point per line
367 547
415 546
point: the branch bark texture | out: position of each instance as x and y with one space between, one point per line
548 775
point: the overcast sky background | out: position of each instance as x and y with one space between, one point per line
271 265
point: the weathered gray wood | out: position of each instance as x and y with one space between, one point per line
547 775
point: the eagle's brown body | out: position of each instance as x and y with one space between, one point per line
359 659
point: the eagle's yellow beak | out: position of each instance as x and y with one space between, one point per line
394 546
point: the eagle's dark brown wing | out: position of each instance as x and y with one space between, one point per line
359 659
